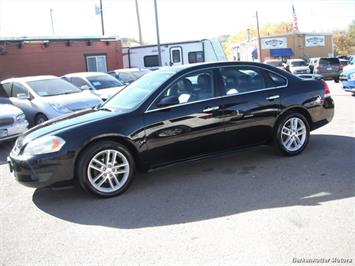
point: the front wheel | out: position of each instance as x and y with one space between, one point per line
106 169
292 134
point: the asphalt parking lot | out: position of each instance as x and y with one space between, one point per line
252 207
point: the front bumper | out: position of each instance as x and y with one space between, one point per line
41 171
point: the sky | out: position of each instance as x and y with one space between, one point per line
179 20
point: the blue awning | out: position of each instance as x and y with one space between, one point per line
254 53
281 52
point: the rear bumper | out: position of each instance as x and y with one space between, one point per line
333 75
41 171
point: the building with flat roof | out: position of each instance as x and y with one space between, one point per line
285 46
58 55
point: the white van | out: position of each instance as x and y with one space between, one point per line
173 54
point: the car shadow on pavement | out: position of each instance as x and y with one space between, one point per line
251 180
5 149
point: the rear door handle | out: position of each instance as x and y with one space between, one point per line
210 109
273 97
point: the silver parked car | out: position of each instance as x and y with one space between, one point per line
12 122
128 75
45 97
298 66
100 84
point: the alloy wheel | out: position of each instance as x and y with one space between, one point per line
293 134
108 171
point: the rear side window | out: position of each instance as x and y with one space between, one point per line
276 80
151 61
18 89
196 57
238 80
329 61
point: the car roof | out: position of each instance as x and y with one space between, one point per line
30 78
295 60
84 74
131 70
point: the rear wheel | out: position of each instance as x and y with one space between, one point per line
40 118
336 80
106 169
292 134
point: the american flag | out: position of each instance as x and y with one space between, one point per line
295 22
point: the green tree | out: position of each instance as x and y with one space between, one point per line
344 41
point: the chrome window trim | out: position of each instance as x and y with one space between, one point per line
213 98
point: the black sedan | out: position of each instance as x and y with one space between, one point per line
172 115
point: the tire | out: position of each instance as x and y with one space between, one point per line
295 142
336 80
97 175
40 118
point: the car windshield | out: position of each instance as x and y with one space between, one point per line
274 63
298 63
52 87
135 94
127 77
104 82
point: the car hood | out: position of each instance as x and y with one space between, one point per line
107 93
56 125
7 110
74 101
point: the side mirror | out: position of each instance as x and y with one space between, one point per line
23 96
168 100
85 87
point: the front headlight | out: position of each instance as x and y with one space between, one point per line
20 117
44 145
60 108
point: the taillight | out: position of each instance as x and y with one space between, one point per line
326 89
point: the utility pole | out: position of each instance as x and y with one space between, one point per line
258 31
52 23
102 19
157 28
139 24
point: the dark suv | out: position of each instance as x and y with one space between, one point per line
329 67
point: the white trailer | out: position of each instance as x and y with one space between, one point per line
173 54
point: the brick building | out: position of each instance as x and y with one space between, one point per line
287 45
58 56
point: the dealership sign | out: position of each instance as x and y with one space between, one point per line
272 43
312 41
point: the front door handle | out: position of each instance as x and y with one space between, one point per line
273 97
210 109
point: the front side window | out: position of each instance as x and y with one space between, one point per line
52 87
151 61
196 57
96 63
239 80
193 87
7 88
104 81
19 89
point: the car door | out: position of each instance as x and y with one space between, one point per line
190 128
251 104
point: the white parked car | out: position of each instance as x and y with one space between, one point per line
99 83
298 66
12 122
45 97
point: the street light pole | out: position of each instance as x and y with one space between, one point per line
259 40
52 24
139 24
157 29
102 19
